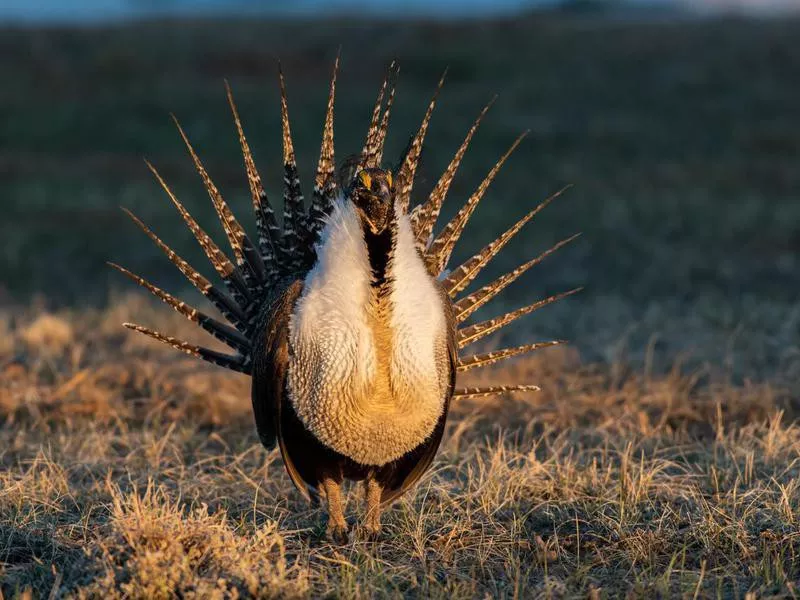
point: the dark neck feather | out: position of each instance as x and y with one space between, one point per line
380 249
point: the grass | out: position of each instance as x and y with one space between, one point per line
130 471
662 457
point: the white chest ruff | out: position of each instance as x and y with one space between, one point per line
368 386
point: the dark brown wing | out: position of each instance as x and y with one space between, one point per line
269 377
400 475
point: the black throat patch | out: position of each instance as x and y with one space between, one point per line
380 249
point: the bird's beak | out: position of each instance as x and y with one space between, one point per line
385 193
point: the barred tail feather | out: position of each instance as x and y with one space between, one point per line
240 364
469 304
224 333
370 151
424 216
494 390
222 301
269 234
404 180
473 333
243 249
462 276
325 182
380 140
442 247
221 263
477 361
293 211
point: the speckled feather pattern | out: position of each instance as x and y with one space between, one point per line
424 216
335 381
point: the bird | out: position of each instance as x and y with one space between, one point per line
347 315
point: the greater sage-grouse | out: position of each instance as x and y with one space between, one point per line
345 316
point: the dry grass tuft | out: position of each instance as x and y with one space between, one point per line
158 547
132 471
48 333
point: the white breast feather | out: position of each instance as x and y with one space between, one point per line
333 370
418 320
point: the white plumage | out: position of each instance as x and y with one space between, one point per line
336 385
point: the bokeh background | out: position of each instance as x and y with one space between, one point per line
676 122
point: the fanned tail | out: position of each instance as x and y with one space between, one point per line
288 251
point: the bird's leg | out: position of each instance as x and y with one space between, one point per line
373 517
337 526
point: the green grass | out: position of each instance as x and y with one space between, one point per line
661 458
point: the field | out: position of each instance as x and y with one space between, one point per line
660 459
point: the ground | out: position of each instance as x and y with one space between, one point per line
662 456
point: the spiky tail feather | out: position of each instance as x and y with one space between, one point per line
325 181
288 251
269 234
493 390
408 168
424 216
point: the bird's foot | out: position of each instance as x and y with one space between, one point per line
371 531
337 533
372 518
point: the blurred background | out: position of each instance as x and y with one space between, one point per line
676 121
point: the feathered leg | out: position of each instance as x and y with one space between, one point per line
337 526
372 522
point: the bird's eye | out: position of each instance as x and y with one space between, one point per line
366 180
389 178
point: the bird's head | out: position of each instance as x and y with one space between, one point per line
372 193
